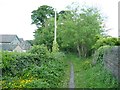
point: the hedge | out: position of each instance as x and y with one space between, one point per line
42 66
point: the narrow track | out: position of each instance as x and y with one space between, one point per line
71 82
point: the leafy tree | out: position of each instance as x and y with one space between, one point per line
76 29
43 18
40 15
45 35
79 29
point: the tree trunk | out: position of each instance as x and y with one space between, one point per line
78 49
85 52
82 50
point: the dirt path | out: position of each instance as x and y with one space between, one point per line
71 82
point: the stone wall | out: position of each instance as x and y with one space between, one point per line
111 60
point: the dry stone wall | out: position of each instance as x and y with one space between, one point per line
111 60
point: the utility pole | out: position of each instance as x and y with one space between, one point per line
55 45
55 27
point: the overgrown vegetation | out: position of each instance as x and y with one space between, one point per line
80 31
36 69
73 26
89 76
106 40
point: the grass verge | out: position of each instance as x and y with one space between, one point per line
88 76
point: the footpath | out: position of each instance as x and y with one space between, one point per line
71 82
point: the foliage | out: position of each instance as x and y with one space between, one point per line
39 49
73 26
7 58
101 45
39 83
102 41
25 70
91 76
45 35
14 63
40 15
86 64
98 55
76 27
55 47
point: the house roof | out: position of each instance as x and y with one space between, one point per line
8 47
6 38
25 45
21 39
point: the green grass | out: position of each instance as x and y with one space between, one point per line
88 76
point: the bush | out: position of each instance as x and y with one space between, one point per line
39 83
14 63
39 49
52 71
86 64
39 63
103 41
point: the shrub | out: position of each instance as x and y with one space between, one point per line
42 52
55 47
14 63
39 49
39 63
39 83
103 41
86 64
52 72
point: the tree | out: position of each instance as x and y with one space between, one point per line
43 17
80 28
40 15
76 29
45 35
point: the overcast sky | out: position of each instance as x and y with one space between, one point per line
15 15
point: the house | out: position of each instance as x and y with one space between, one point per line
10 47
25 44
13 43
9 39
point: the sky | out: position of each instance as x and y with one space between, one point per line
15 15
